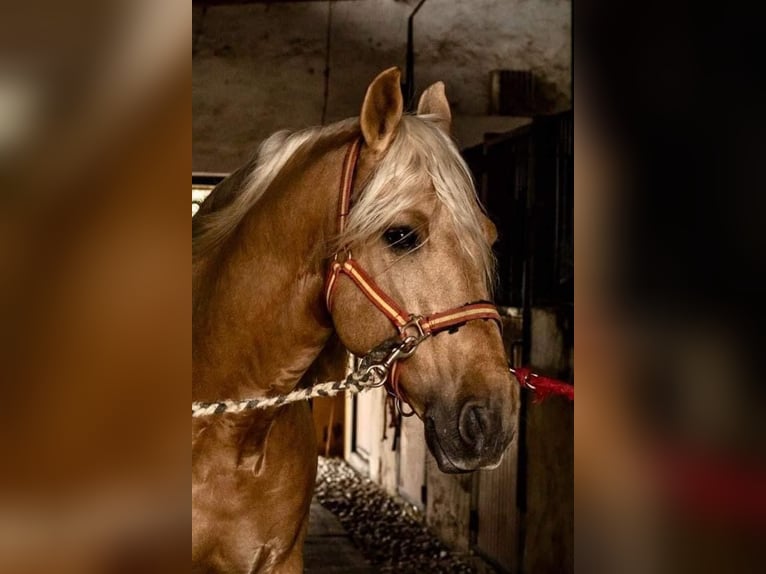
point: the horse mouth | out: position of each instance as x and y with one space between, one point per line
458 463
443 460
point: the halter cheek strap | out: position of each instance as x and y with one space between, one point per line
408 325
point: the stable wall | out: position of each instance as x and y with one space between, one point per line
259 68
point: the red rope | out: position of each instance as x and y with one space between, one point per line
543 387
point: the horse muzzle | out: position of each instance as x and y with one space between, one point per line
474 439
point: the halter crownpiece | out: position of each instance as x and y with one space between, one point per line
412 329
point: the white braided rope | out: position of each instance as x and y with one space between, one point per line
356 382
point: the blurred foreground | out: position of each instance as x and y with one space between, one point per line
94 286
670 416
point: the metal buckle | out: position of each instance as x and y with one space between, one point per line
414 323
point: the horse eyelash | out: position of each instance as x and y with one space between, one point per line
400 257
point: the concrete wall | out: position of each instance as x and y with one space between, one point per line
259 68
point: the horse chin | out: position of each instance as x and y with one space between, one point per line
447 466
446 463
493 465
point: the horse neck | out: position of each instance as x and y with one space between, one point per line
259 320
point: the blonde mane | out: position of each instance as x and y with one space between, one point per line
211 227
420 147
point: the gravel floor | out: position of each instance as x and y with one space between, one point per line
389 532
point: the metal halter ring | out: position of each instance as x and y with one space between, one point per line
414 323
346 256
525 380
381 370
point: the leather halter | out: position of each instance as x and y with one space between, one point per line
409 326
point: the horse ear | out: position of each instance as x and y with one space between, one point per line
434 101
382 109
490 230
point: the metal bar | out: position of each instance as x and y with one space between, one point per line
409 82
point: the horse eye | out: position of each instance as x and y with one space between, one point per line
401 239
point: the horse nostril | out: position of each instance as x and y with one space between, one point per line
473 423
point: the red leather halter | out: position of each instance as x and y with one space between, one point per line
409 326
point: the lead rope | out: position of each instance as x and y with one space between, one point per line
355 382
543 387
373 372
370 375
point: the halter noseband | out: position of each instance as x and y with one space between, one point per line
412 329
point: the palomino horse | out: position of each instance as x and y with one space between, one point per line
266 311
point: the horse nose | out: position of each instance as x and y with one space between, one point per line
475 425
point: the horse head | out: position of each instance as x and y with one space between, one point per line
416 232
